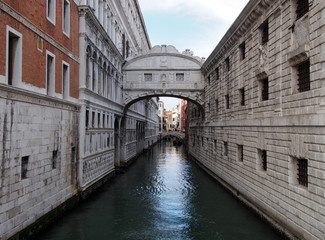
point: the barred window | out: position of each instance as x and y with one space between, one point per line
227 64
225 148
302 8
24 167
217 73
264 28
264 84
240 151
242 50
302 172
303 71
217 106
227 101
242 96
262 160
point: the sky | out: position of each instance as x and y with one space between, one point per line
197 25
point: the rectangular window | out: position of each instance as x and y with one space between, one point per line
50 73
262 159
98 120
264 89
202 141
209 79
242 50
50 10
303 71
65 80
225 148
148 77
87 118
264 29
217 73
54 158
14 57
93 119
227 64
242 96
24 167
179 76
302 8
240 153
302 172
215 145
66 18
217 106
227 101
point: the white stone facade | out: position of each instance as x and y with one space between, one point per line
110 135
261 121
39 145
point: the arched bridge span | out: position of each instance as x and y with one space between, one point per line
163 72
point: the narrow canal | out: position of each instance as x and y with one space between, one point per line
161 196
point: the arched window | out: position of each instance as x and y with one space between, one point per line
100 76
88 66
104 80
94 71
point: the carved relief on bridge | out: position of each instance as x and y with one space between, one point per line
163 72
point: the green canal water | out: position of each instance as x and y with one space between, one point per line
161 196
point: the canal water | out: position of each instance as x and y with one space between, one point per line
161 196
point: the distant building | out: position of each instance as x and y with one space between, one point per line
183 115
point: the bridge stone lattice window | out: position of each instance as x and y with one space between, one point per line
302 8
303 72
148 77
264 29
179 76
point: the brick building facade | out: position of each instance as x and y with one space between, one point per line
39 90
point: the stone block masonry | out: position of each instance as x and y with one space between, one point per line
262 132
39 137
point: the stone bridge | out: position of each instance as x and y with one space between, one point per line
175 134
163 72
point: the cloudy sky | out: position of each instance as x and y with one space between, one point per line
189 24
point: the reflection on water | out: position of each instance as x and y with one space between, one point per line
161 196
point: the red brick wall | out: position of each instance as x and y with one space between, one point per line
34 61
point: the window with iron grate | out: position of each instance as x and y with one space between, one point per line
225 148
264 85
240 153
242 50
227 101
264 28
217 73
302 8
302 172
303 71
227 64
262 160
242 96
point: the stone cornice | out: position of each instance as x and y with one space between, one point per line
23 95
142 23
253 10
31 26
